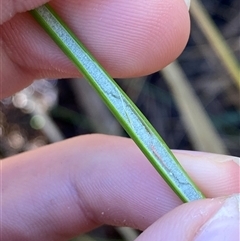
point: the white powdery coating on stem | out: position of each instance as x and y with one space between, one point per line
131 118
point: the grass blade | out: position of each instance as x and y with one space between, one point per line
216 40
128 115
197 123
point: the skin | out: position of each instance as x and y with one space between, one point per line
65 189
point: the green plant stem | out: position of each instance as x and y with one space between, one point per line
128 115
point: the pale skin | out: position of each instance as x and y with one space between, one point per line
68 188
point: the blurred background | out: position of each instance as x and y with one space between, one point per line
193 103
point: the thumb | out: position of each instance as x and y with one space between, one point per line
9 8
209 219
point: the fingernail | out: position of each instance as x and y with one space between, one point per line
187 3
228 159
234 159
224 225
237 160
217 157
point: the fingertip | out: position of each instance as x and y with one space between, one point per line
128 38
134 38
206 219
11 8
224 224
203 168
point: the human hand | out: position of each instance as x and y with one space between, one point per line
61 190
128 38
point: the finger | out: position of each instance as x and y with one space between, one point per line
75 185
209 219
128 38
10 8
203 164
